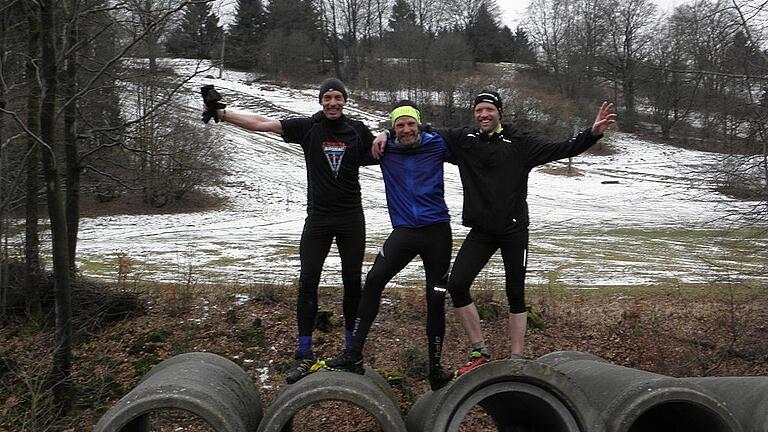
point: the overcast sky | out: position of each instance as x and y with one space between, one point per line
512 10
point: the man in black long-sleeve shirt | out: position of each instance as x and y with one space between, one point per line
494 163
334 149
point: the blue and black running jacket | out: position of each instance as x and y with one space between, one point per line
413 178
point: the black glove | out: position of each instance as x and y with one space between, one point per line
211 100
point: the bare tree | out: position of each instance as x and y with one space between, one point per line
630 41
62 101
671 92
550 28
60 373
32 269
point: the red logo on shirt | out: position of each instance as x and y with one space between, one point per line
334 153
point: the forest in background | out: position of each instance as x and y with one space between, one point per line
79 118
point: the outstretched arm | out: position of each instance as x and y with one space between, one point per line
251 122
604 119
213 108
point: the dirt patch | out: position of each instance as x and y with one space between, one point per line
133 204
562 170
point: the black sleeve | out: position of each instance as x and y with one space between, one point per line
295 129
366 142
454 137
448 155
541 152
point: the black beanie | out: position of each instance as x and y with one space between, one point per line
333 84
491 97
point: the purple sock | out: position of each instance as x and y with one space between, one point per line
348 339
305 345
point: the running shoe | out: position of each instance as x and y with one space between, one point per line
476 358
439 377
302 366
346 361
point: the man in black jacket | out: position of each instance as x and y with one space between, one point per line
334 149
494 163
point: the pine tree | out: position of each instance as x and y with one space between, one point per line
293 45
246 33
402 17
522 51
485 36
289 16
198 35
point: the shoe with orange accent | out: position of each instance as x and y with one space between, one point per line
476 358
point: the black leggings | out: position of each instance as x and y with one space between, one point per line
433 243
475 252
316 239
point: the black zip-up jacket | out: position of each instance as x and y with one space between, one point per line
494 173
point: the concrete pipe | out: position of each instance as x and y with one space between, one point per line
382 384
519 395
631 400
745 397
368 392
204 384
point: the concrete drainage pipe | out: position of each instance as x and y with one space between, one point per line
746 397
631 400
369 392
207 385
519 395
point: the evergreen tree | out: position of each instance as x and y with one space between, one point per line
521 48
294 39
402 16
485 36
406 38
246 33
198 35
289 16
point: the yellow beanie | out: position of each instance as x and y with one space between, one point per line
405 110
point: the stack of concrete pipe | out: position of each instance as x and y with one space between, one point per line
560 392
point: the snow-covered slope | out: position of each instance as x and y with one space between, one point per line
656 224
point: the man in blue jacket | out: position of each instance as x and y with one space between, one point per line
413 177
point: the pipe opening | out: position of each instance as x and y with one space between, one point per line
518 407
167 419
679 416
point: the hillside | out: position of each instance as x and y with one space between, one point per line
641 213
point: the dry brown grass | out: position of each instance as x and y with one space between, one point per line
679 332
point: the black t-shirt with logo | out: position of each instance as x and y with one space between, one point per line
334 150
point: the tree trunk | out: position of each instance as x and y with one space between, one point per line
3 164
150 40
70 140
630 115
31 235
60 377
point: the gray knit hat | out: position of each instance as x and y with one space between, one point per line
332 84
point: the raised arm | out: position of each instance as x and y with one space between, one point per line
604 119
